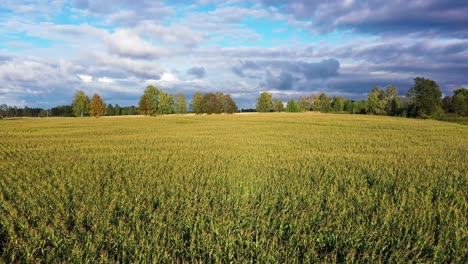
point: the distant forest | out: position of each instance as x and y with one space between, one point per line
423 100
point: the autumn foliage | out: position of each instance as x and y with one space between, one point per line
97 107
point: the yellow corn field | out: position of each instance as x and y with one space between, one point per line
275 187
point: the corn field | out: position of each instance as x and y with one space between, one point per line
278 187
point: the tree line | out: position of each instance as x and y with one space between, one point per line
423 100
155 101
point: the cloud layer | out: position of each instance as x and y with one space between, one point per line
116 48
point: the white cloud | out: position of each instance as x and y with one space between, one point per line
174 34
106 80
126 43
168 80
86 78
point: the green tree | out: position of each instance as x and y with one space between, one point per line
338 103
229 106
293 106
145 106
130 110
211 104
304 103
459 104
278 105
3 110
80 104
166 103
264 102
180 104
392 101
460 101
117 109
376 101
27 111
360 107
43 113
110 110
325 103
97 107
447 104
349 106
197 103
149 101
315 102
424 98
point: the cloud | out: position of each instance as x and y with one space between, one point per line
173 34
284 81
245 65
310 70
86 78
379 17
106 80
291 48
324 69
126 43
123 67
124 12
198 72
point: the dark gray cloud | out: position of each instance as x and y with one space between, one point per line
310 70
245 65
284 81
381 17
198 72
324 69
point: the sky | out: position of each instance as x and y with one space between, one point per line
51 48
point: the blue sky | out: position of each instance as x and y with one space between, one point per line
51 48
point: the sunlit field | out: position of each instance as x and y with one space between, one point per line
279 188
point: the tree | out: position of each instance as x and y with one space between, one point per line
360 107
460 101
3 110
459 104
166 103
180 104
63 110
211 104
264 102
80 104
315 103
149 101
229 106
97 107
27 111
117 109
325 103
349 106
447 104
278 105
338 103
130 110
144 106
197 103
424 98
43 113
376 101
293 106
110 111
304 103
392 101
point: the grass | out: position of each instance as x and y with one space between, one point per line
244 188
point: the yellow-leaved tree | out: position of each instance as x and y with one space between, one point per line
97 107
